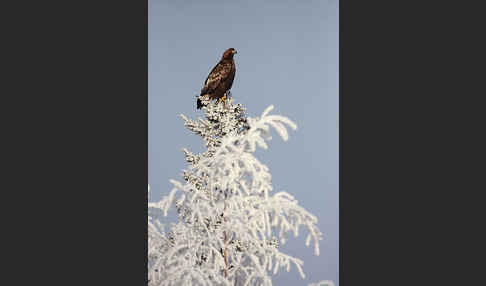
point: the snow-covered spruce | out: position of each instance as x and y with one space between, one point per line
229 223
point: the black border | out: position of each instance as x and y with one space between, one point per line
408 137
77 154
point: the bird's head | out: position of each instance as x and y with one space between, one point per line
229 53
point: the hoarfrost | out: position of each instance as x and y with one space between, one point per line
230 224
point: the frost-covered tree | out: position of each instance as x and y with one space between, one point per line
230 225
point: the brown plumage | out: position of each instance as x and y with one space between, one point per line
220 79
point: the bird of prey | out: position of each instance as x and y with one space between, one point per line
220 79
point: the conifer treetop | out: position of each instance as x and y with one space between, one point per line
230 224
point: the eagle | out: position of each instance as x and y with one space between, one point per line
220 79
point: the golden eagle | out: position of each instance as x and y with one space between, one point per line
220 79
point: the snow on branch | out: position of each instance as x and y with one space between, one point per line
230 224
322 283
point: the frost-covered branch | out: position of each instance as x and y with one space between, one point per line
322 283
230 224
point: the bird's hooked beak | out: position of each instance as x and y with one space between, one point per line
234 52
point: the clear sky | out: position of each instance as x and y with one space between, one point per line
288 57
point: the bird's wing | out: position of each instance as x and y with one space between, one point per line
217 75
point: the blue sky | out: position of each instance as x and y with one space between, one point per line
288 57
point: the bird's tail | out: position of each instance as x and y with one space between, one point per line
199 103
